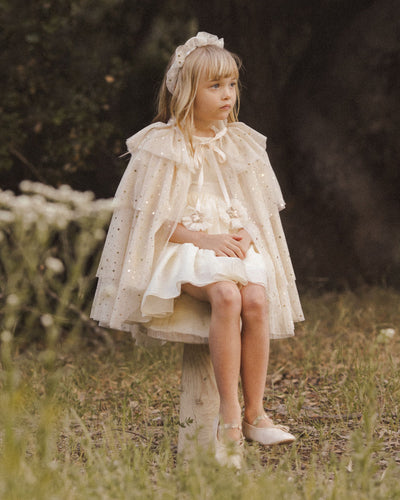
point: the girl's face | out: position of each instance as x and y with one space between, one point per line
214 101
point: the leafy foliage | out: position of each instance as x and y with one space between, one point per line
77 79
320 79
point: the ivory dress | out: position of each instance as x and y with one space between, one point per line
216 185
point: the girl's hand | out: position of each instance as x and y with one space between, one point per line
224 245
245 240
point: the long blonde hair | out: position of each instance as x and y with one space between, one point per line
216 63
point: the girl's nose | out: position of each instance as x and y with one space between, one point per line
227 93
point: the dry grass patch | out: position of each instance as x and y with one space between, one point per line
101 420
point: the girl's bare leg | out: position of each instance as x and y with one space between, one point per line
255 350
225 344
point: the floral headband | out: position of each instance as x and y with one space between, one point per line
200 40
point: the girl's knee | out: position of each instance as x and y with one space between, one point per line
254 301
225 296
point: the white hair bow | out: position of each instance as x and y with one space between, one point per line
200 40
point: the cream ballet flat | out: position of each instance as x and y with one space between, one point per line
276 434
228 452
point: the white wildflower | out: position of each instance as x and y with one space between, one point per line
54 264
29 218
66 193
349 466
13 300
6 197
59 214
47 320
6 336
49 207
63 194
25 185
115 203
23 202
6 216
38 188
38 200
50 212
62 223
387 332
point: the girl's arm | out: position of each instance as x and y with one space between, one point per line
224 245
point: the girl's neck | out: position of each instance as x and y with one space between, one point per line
205 129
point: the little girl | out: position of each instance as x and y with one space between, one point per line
195 251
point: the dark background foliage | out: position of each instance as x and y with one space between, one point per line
321 80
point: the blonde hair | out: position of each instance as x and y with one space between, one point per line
216 63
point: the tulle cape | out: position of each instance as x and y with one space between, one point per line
150 201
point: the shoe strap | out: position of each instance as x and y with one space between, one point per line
265 417
231 426
259 418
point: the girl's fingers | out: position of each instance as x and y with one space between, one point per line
226 245
229 251
237 251
241 252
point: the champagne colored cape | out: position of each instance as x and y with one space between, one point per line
149 202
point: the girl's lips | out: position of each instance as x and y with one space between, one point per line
225 107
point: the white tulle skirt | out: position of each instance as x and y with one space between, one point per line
175 316
186 263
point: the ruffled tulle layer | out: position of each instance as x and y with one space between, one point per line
186 263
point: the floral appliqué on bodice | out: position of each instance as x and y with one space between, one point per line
204 206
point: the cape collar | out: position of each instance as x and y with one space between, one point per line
220 130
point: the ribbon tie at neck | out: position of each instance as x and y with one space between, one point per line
200 151
220 154
199 158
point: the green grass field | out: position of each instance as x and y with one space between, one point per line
98 417
85 414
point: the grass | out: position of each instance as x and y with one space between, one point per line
95 419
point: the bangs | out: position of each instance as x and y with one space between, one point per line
216 63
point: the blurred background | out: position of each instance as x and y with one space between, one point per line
320 80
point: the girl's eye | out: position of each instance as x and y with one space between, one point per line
233 84
215 86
